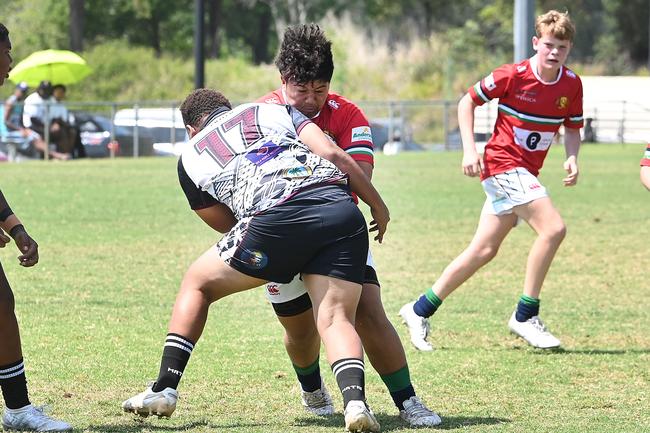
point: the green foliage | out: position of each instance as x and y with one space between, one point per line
35 25
143 49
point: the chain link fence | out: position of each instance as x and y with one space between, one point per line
145 128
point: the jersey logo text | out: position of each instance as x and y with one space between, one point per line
361 133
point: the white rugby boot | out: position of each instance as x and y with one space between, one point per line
359 418
416 414
148 402
31 418
418 327
318 402
534 332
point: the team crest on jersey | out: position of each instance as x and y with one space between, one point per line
361 133
332 103
562 102
297 172
489 82
264 153
254 259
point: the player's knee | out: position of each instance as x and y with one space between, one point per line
557 233
369 318
485 253
301 335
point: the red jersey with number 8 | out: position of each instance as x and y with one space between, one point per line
531 112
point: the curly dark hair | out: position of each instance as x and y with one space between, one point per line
200 103
4 33
305 55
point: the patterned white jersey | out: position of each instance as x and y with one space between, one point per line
250 158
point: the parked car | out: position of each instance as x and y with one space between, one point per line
164 124
95 132
382 128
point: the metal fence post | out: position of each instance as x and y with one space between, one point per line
113 139
173 129
445 121
621 129
391 114
136 132
46 130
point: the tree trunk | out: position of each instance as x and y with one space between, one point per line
76 27
261 44
214 23
155 34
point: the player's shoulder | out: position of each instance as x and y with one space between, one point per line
274 97
338 102
570 75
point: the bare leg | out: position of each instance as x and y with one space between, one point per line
490 233
301 338
547 223
207 280
10 350
380 340
335 304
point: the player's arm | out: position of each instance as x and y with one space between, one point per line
215 214
317 141
472 161
366 168
219 217
571 146
10 223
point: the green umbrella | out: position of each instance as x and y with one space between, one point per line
56 66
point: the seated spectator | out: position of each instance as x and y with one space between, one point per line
29 142
58 109
38 112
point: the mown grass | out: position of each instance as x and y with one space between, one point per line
116 236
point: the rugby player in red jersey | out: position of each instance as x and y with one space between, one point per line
306 67
269 177
536 97
645 168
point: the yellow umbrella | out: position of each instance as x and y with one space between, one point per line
56 66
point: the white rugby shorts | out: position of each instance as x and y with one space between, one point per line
278 293
512 188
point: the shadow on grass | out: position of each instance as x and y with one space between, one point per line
138 426
391 422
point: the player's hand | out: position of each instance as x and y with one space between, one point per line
472 164
571 167
379 223
4 239
28 247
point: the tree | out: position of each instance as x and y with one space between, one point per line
214 25
76 25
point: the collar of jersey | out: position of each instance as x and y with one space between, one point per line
214 114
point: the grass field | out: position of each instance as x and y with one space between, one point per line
116 236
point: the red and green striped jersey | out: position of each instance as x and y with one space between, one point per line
530 113
342 120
